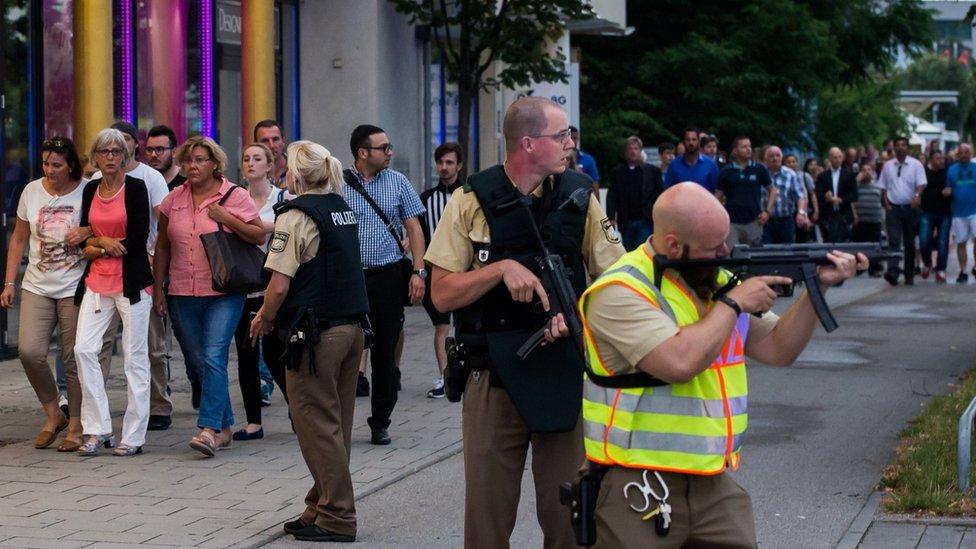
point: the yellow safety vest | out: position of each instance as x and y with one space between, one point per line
694 427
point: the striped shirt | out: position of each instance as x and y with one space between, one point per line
396 197
791 191
868 205
434 200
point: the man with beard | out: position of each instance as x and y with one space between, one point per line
674 433
160 147
269 133
692 165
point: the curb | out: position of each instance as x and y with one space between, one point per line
275 532
859 526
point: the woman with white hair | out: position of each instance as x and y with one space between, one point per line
117 278
317 289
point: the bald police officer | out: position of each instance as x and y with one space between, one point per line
316 300
484 268
663 450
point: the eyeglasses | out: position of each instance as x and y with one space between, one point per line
196 161
157 150
559 137
386 148
109 152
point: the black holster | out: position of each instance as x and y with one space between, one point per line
580 497
301 339
457 370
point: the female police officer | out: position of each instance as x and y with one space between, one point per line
316 300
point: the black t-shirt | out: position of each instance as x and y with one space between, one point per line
176 182
743 190
932 199
633 182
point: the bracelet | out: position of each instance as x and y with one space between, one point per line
9 283
730 302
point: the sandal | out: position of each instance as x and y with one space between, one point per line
126 450
69 444
94 442
208 442
46 438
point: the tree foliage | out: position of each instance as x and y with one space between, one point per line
755 67
472 34
931 72
853 114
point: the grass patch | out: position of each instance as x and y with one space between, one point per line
922 480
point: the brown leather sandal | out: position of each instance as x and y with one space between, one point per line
46 438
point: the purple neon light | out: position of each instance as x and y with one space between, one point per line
125 65
206 69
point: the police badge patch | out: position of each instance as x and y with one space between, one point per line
483 255
610 231
278 241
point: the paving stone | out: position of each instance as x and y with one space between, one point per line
41 543
112 537
941 537
892 535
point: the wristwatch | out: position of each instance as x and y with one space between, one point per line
722 298
422 273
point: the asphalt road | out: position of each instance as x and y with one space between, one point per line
820 432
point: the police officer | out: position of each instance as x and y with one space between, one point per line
316 300
485 269
663 450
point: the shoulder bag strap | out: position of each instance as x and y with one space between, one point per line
353 182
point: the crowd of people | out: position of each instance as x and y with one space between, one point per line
917 203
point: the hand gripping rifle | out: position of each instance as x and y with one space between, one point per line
795 261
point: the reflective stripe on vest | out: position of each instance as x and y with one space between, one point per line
694 427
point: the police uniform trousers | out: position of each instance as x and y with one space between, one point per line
322 405
706 511
496 443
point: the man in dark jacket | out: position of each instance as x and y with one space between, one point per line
740 186
836 193
632 189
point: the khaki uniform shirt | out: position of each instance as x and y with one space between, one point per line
463 223
626 327
295 241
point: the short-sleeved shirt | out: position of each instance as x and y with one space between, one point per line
299 240
704 172
107 217
743 190
901 180
588 165
157 189
789 192
962 180
398 200
625 327
464 223
189 271
54 266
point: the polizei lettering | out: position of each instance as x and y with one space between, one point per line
344 218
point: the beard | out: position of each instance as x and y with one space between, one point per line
702 280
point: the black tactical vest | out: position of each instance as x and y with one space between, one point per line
331 283
512 238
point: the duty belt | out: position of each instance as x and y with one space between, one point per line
479 360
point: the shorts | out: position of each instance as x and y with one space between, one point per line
437 318
963 228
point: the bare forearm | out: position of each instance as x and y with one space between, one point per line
14 255
693 349
771 202
274 296
160 266
251 232
417 248
451 291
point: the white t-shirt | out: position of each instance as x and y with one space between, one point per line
268 216
54 266
157 189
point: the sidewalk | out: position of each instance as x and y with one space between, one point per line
875 530
172 495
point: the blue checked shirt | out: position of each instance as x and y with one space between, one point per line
791 190
394 194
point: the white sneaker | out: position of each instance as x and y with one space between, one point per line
63 404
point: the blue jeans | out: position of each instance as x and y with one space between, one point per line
780 230
929 223
204 326
634 233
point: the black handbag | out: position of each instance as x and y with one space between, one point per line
236 267
406 265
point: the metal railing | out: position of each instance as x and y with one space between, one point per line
964 445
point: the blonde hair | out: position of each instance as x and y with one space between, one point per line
267 154
216 153
312 166
110 136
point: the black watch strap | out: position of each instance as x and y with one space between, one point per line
722 298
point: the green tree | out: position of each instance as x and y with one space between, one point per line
931 72
854 114
472 34
756 67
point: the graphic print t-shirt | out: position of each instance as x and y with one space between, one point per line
54 266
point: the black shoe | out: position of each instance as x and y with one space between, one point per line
891 278
314 533
244 435
159 423
962 278
195 389
380 437
362 386
293 526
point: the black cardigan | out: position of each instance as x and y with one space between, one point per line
136 271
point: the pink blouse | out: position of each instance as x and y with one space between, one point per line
189 271
107 218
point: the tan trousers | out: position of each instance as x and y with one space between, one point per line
38 317
496 443
322 406
706 511
160 403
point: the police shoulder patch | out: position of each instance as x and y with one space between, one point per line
610 231
278 241
467 188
